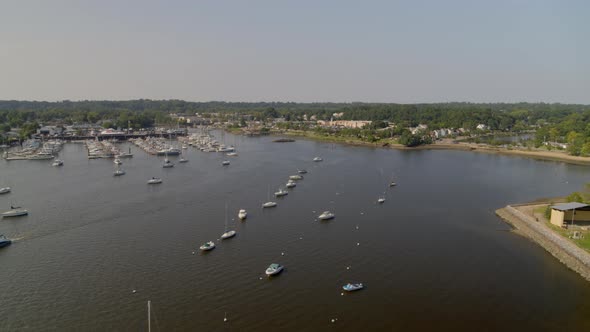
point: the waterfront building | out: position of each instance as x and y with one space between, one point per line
570 213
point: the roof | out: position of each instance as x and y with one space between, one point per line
569 206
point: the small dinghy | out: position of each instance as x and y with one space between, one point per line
207 246
352 287
274 269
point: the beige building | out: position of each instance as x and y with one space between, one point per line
344 123
565 214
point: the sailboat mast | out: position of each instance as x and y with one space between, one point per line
149 318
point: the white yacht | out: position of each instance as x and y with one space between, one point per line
182 160
326 215
228 234
302 171
5 190
352 287
119 172
291 184
15 212
117 161
296 177
231 154
274 269
316 159
381 200
154 181
281 193
242 214
225 163
57 162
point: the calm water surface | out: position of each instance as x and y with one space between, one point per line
433 257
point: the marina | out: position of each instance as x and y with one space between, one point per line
185 217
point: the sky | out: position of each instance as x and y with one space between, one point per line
301 51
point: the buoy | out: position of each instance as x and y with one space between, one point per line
134 291
282 254
348 267
341 294
358 243
225 317
193 252
300 238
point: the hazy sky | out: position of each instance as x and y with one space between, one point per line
249 50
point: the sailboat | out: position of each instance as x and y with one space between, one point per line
270 203
125 155
227 234
118 171
392 182
351 287
149 317
5 190
167 163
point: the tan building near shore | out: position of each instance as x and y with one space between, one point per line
568 213
344 123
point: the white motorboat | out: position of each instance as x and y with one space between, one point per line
274 269
352 287
184 147
154 181
269 204
225 163
291 184
5 190
182 160
15 212
326 215
117 161
296 177
242 214
231 154
316 159
381 200
57 162
302 171
207 246
281 193
119 172
167 163
392 184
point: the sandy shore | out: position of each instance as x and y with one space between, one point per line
448 145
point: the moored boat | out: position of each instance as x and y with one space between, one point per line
316 159
296 177
352 287
225 163
4 241
5 190
15 212
154 180
242 214
207 246
281 193
326 215
274 269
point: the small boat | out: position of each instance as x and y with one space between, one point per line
5 190
154 181
291 184
15 212
352 287
242 214
119 172
207 246
316 159
232 154
274 269
167 163
269 204
4 241
381 200
117 161
281 193
326 215
228 235
302 171
225 163
296 177
182 160
392 184
57 162
184 147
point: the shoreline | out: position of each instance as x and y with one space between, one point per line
566 252
541 155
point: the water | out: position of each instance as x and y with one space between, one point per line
433 256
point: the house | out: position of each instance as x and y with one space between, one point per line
481 126
344 123
420 128
570 213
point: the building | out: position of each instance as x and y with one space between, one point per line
343 123
566 213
